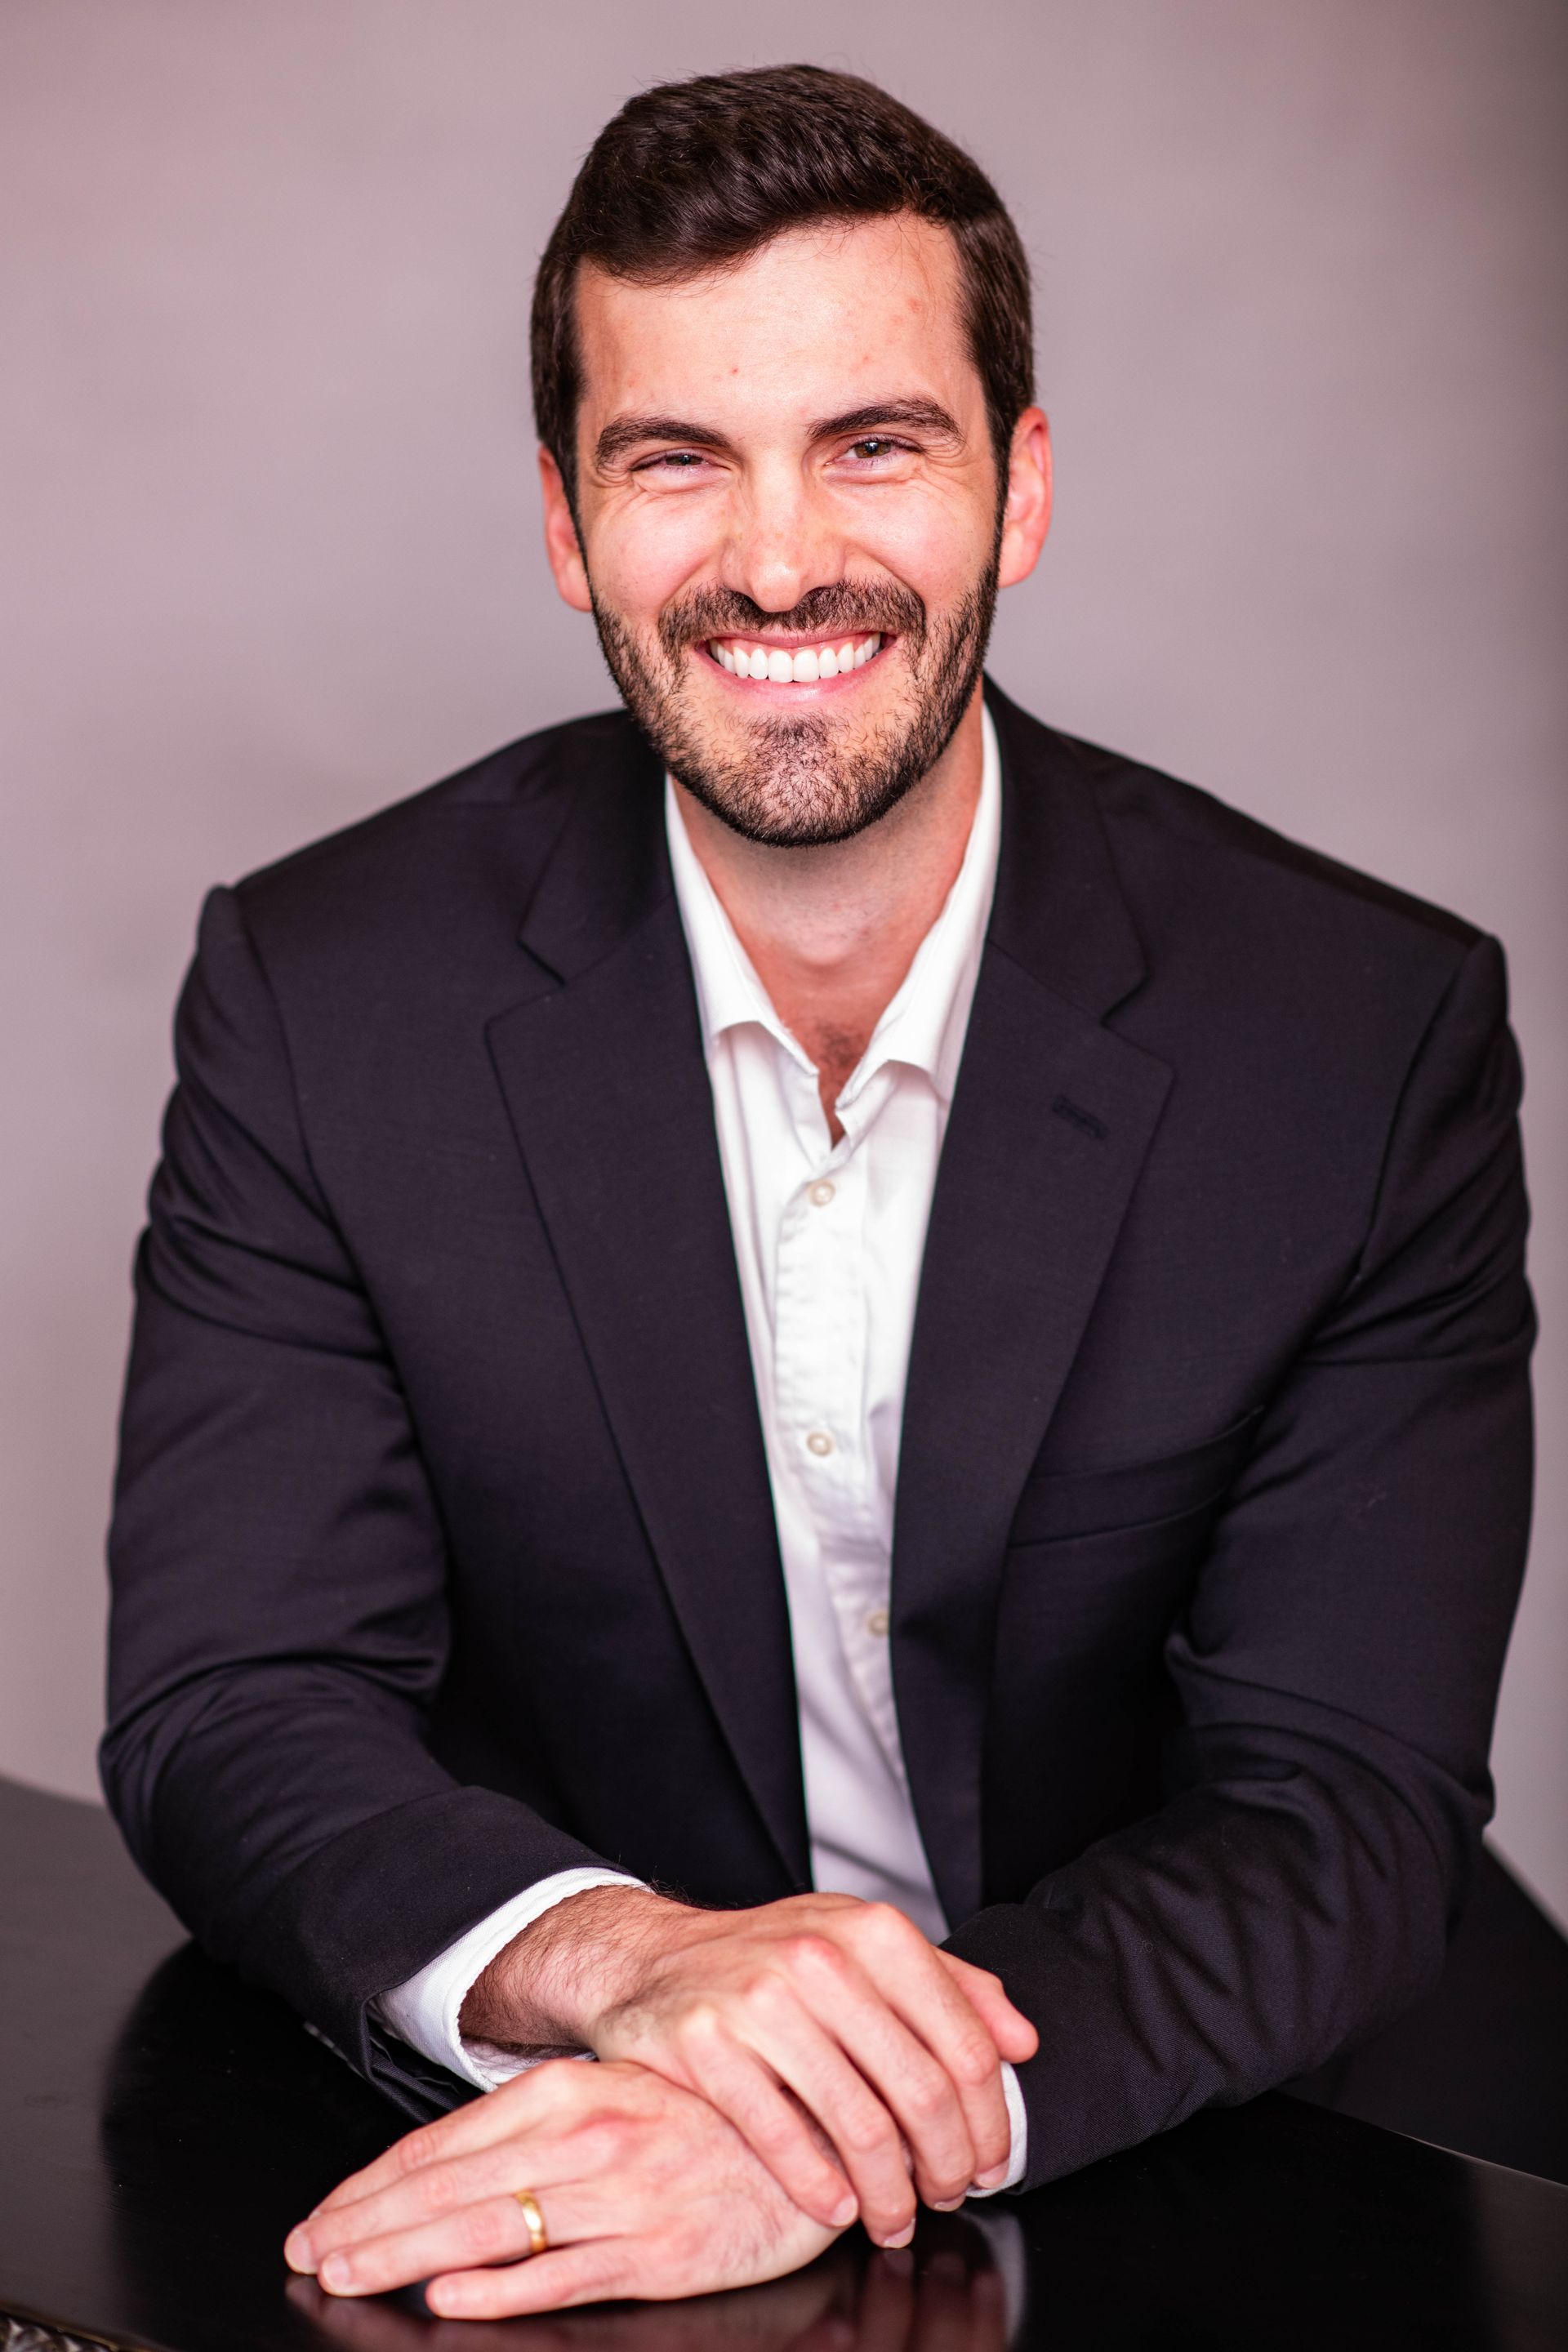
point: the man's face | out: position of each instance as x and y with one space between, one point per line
789 519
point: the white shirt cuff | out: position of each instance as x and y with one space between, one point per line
424 2012
1017 2116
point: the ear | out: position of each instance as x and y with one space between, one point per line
1028 515
561 543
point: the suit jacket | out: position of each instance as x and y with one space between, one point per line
444 1555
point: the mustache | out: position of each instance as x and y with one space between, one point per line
839 607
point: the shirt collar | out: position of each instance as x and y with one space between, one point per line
924 1023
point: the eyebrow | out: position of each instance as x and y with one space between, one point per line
623 433
925 416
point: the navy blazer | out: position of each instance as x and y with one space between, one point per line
444 1555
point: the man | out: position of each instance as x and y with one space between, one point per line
830 1395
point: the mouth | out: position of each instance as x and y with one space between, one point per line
808 663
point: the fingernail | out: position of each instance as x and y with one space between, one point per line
337 2272
993 2177
844 2212
945 2204
297 2252
902 2239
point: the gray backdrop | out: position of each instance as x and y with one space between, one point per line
269 535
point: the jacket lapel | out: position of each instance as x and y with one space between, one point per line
603 1072
1051 1119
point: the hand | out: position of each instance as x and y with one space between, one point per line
644 2190
820 2007
950 2300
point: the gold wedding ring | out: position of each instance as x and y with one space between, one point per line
538 2242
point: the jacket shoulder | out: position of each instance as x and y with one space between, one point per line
1160 828
438 882
515 789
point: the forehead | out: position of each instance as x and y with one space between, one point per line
813 317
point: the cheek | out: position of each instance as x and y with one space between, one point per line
935 544
646 552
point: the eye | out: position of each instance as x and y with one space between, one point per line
672 461
876 448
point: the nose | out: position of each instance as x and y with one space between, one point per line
782 543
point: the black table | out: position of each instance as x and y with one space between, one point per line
160 2127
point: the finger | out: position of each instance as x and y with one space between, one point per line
918 2092
490 2230
955 2127
910 1975
477 2125
865 2135
735 2082
552 2281
537 2159
1015 2038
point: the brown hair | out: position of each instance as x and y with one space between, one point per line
693 174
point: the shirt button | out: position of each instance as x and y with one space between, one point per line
877 1623
819 1442
821 1192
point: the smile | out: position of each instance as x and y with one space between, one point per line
794 664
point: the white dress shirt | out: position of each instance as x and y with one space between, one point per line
828 1241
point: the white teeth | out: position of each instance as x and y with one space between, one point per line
804 669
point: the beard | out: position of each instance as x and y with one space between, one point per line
798 782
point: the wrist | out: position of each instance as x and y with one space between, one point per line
551 1986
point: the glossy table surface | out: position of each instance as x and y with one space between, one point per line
161 2127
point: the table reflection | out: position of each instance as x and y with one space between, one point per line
946 2294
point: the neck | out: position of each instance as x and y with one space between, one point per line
832 931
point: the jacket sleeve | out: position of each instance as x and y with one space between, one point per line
280 1624
1336 1667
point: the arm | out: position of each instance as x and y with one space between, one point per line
281 1633
267 1754
1337 1666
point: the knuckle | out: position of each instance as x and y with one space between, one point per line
700 2030
605 2143
433 2190
769 1996
974 2059
487 2231
808 1950
866 2129
419 2149
928 2096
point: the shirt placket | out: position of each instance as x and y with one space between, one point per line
820 1372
